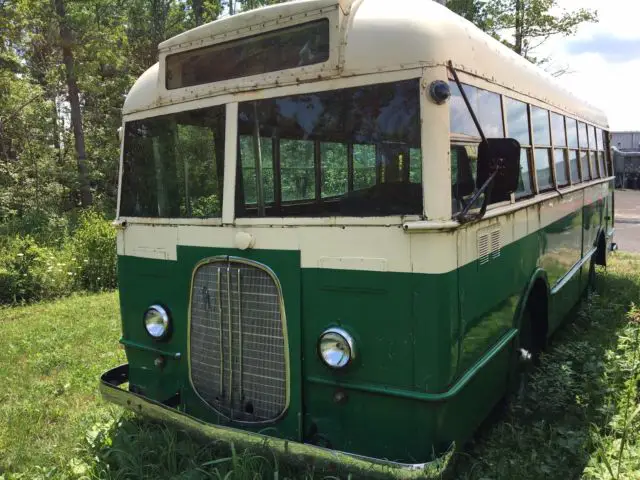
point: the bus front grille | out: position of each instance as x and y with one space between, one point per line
238 352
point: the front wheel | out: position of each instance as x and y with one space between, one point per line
527 356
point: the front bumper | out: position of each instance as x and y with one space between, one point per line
294 452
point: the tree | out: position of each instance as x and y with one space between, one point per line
523 25
74 101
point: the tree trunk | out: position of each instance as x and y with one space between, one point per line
198 11
74 101
519 26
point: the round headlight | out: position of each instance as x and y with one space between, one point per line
336 348
156 321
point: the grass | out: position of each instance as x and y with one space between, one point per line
580 418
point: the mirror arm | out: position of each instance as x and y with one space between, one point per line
487 186
466 101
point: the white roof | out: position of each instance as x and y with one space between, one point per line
381 36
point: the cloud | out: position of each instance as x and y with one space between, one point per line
611 48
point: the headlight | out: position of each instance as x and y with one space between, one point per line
156 321
336 348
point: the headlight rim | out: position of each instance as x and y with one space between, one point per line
166 321
348 338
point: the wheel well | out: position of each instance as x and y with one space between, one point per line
600 256
538 306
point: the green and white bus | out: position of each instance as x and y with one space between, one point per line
312 244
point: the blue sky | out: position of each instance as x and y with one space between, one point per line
603 59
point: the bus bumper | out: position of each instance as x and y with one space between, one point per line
295 452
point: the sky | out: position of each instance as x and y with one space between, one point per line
603 59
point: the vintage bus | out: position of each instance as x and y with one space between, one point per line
314 246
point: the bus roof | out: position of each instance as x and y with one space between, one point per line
375 36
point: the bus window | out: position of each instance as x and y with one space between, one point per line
173 165
573 166
343 152
463 175
543 169
603 170
518 128
542 138
334 164
247 146
582 136
584 165
364 166
558 131
561 166
415 165
486 106
572 133
592 137
297 170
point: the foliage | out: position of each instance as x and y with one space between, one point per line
94 253
578 419
523 25
85 259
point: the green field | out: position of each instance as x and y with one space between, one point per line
579 419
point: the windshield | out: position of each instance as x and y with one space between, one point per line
350 152
173 165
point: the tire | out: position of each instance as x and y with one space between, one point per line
527 356
591 277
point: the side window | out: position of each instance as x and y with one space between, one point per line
463 174
485 104
601 161
593 160
559 138
518 128
583 142
334 165
297 170
247 149
542 156
572 141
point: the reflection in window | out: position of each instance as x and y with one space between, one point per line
543 169
603 170
592 164
524 184
415 165
561 167
352 152
540 126
247 146
173 165
557 129
517 121
573 166
572 133
584 165
592 137
485 104
297 170
582 135
282 49
464 158
364 166
334 164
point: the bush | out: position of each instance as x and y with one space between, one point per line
84 260
93 245
29 272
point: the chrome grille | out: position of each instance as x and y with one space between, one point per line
237 340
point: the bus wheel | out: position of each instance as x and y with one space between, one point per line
527 355
591 277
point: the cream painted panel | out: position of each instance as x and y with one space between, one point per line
433 252
274 238
520 225
390 243
120 242
151 241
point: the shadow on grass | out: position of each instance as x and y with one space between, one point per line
547 434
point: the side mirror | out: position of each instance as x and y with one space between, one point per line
499 156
